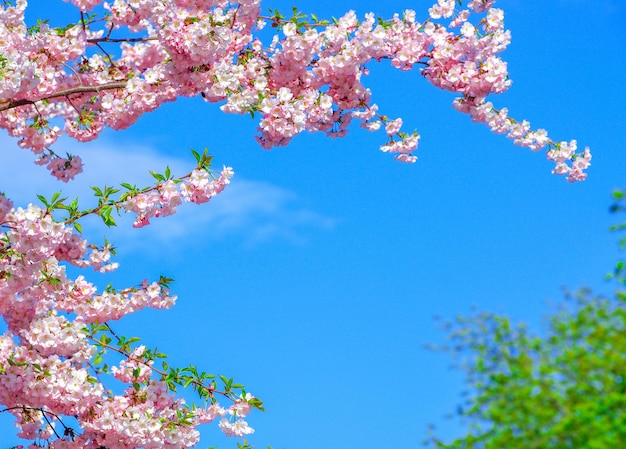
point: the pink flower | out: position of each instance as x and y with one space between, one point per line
393 126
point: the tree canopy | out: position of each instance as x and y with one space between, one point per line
561 389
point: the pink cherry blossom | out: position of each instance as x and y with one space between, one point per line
308 78
108 70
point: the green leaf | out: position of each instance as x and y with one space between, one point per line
43 200
157 176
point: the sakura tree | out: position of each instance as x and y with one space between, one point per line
119 60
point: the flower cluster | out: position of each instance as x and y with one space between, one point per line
58 332
309 77
162 201
567 161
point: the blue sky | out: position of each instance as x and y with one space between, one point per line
316 277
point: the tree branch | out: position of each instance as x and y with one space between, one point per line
123 39
10 104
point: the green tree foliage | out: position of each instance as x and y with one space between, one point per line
619 205
562 389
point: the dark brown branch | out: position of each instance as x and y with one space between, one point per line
119 40
63 93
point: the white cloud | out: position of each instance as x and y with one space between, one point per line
262 212
253 211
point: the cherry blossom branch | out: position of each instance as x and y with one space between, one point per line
198 186
6 105
45 417
210 391
45 414
121 40
174 377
